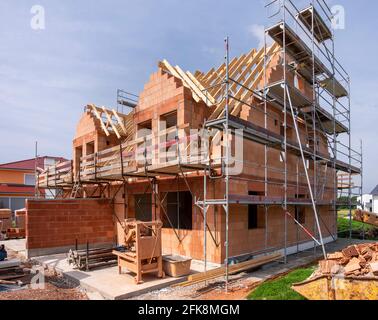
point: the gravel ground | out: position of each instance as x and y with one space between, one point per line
56 288
239 287
51 292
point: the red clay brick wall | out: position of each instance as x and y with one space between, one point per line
52 226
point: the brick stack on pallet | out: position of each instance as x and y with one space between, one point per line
16 233
357 260
6 220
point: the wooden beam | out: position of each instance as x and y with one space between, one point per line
208 96
165 65
222 74
198 74
212 75
204 77
98 116
194 87
120 121
258 58
246 62
256 79
110 121
236 268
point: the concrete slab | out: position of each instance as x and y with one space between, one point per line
94 296
106 282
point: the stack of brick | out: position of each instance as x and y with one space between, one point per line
20 218
16 233
357 260
6 219
366 217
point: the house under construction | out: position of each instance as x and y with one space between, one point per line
246 158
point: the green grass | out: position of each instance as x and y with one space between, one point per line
358 229
280 289
343 213
344 224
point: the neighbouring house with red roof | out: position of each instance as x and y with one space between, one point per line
17 180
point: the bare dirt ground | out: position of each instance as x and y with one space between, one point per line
56 288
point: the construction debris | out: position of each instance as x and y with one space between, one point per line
351 274
357 260
11 273
366 217
56 287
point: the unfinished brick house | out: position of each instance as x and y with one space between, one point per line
151 164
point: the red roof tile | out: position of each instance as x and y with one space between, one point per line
28 164
4 188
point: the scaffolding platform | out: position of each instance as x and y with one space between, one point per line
325 120
262 200
334 87
297 48
321 31
276 91
138 158
276 94
58 176
305 61
266 137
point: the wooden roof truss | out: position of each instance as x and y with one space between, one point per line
113 122
245 73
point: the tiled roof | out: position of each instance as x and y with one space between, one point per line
375 191
4 188
28 164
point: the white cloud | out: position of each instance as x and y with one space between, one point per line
258 32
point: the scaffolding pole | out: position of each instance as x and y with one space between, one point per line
285 129
227 158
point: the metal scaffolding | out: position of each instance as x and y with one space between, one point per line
305 48
306 42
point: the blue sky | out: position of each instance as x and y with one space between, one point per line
90 48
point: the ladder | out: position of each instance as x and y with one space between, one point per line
75 189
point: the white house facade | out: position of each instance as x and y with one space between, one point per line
366 203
